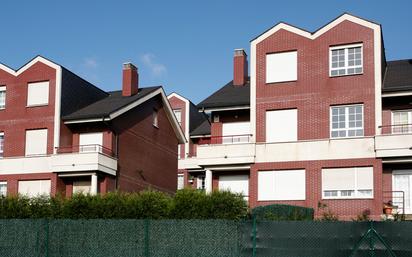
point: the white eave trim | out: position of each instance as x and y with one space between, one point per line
394 94
200 136
319 32
220 109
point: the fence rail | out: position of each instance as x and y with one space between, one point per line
203 238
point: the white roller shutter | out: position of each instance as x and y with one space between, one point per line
36 142
235 184
282 125
33 188
281 185
90 142
235 132
38 93
281 67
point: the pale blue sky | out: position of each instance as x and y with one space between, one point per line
186 46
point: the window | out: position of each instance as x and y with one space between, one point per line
180 181
155 118
82 187
235 132
346 121
402 122
91 142
178 114
3 188
282 125
36 142
238 184
281 185
38 94
33 188
201 182
281 67
346 60
354 182
1 144
2 97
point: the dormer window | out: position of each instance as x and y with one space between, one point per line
346 60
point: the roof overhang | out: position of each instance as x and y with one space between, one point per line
169 112
221 109
395 94
200 136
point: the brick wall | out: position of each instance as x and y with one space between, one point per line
178 104
57 184
314 91
344 208
16 118
147 155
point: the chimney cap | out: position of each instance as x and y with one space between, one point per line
240 52
129 65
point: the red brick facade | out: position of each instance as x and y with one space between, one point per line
145 155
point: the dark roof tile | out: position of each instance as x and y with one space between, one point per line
398 76
228 96
104 107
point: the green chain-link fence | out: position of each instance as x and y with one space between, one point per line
198 238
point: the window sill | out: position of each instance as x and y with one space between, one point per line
346 75
279 82
37 105
337 138
347 198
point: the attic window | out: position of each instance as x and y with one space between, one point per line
155 118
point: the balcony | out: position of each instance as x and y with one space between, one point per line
25 164
84 158
227 150
395 141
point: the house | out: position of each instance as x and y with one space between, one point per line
322 118
61 134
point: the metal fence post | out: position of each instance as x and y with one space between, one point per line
46 237
146 237
371 241
254 237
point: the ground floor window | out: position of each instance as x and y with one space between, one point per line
344 183
281 185
33 188
3 188
82 187
180 181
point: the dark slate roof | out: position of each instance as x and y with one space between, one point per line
196 117
104 107
228 96
202 129
398 76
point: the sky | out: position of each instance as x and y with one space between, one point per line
185 46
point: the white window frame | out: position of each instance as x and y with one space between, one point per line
2 145
180 112
408 125
346 67
331 129
3 183
3 90
356 190
34 102
180 177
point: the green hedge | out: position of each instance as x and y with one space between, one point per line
185 204
282 212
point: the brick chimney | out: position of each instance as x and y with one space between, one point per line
130 79
240 68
